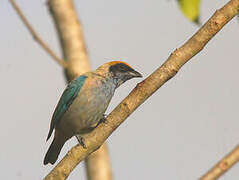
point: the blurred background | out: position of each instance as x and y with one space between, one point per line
179 133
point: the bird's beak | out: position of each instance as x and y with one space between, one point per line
135 74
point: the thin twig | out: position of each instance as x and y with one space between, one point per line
223 165
36 36
145 89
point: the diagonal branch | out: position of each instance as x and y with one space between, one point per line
223 165
145 89
36 36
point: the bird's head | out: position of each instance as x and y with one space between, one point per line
119 71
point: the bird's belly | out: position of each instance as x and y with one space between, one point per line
84 113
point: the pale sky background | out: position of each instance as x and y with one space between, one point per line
177 134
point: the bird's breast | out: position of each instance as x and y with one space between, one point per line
90 105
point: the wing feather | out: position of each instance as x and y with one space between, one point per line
66 100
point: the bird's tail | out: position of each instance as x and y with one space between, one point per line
53 151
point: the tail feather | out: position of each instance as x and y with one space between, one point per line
53 151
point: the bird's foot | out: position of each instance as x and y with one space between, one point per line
81 141
104 120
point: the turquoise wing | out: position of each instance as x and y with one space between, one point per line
66 100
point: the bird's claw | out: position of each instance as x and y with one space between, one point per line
81 141
104 120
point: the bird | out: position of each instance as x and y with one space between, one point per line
83 103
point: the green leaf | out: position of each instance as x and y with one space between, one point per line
190 9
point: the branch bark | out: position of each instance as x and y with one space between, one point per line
145 89
223 165
71 37
73 45
98 165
